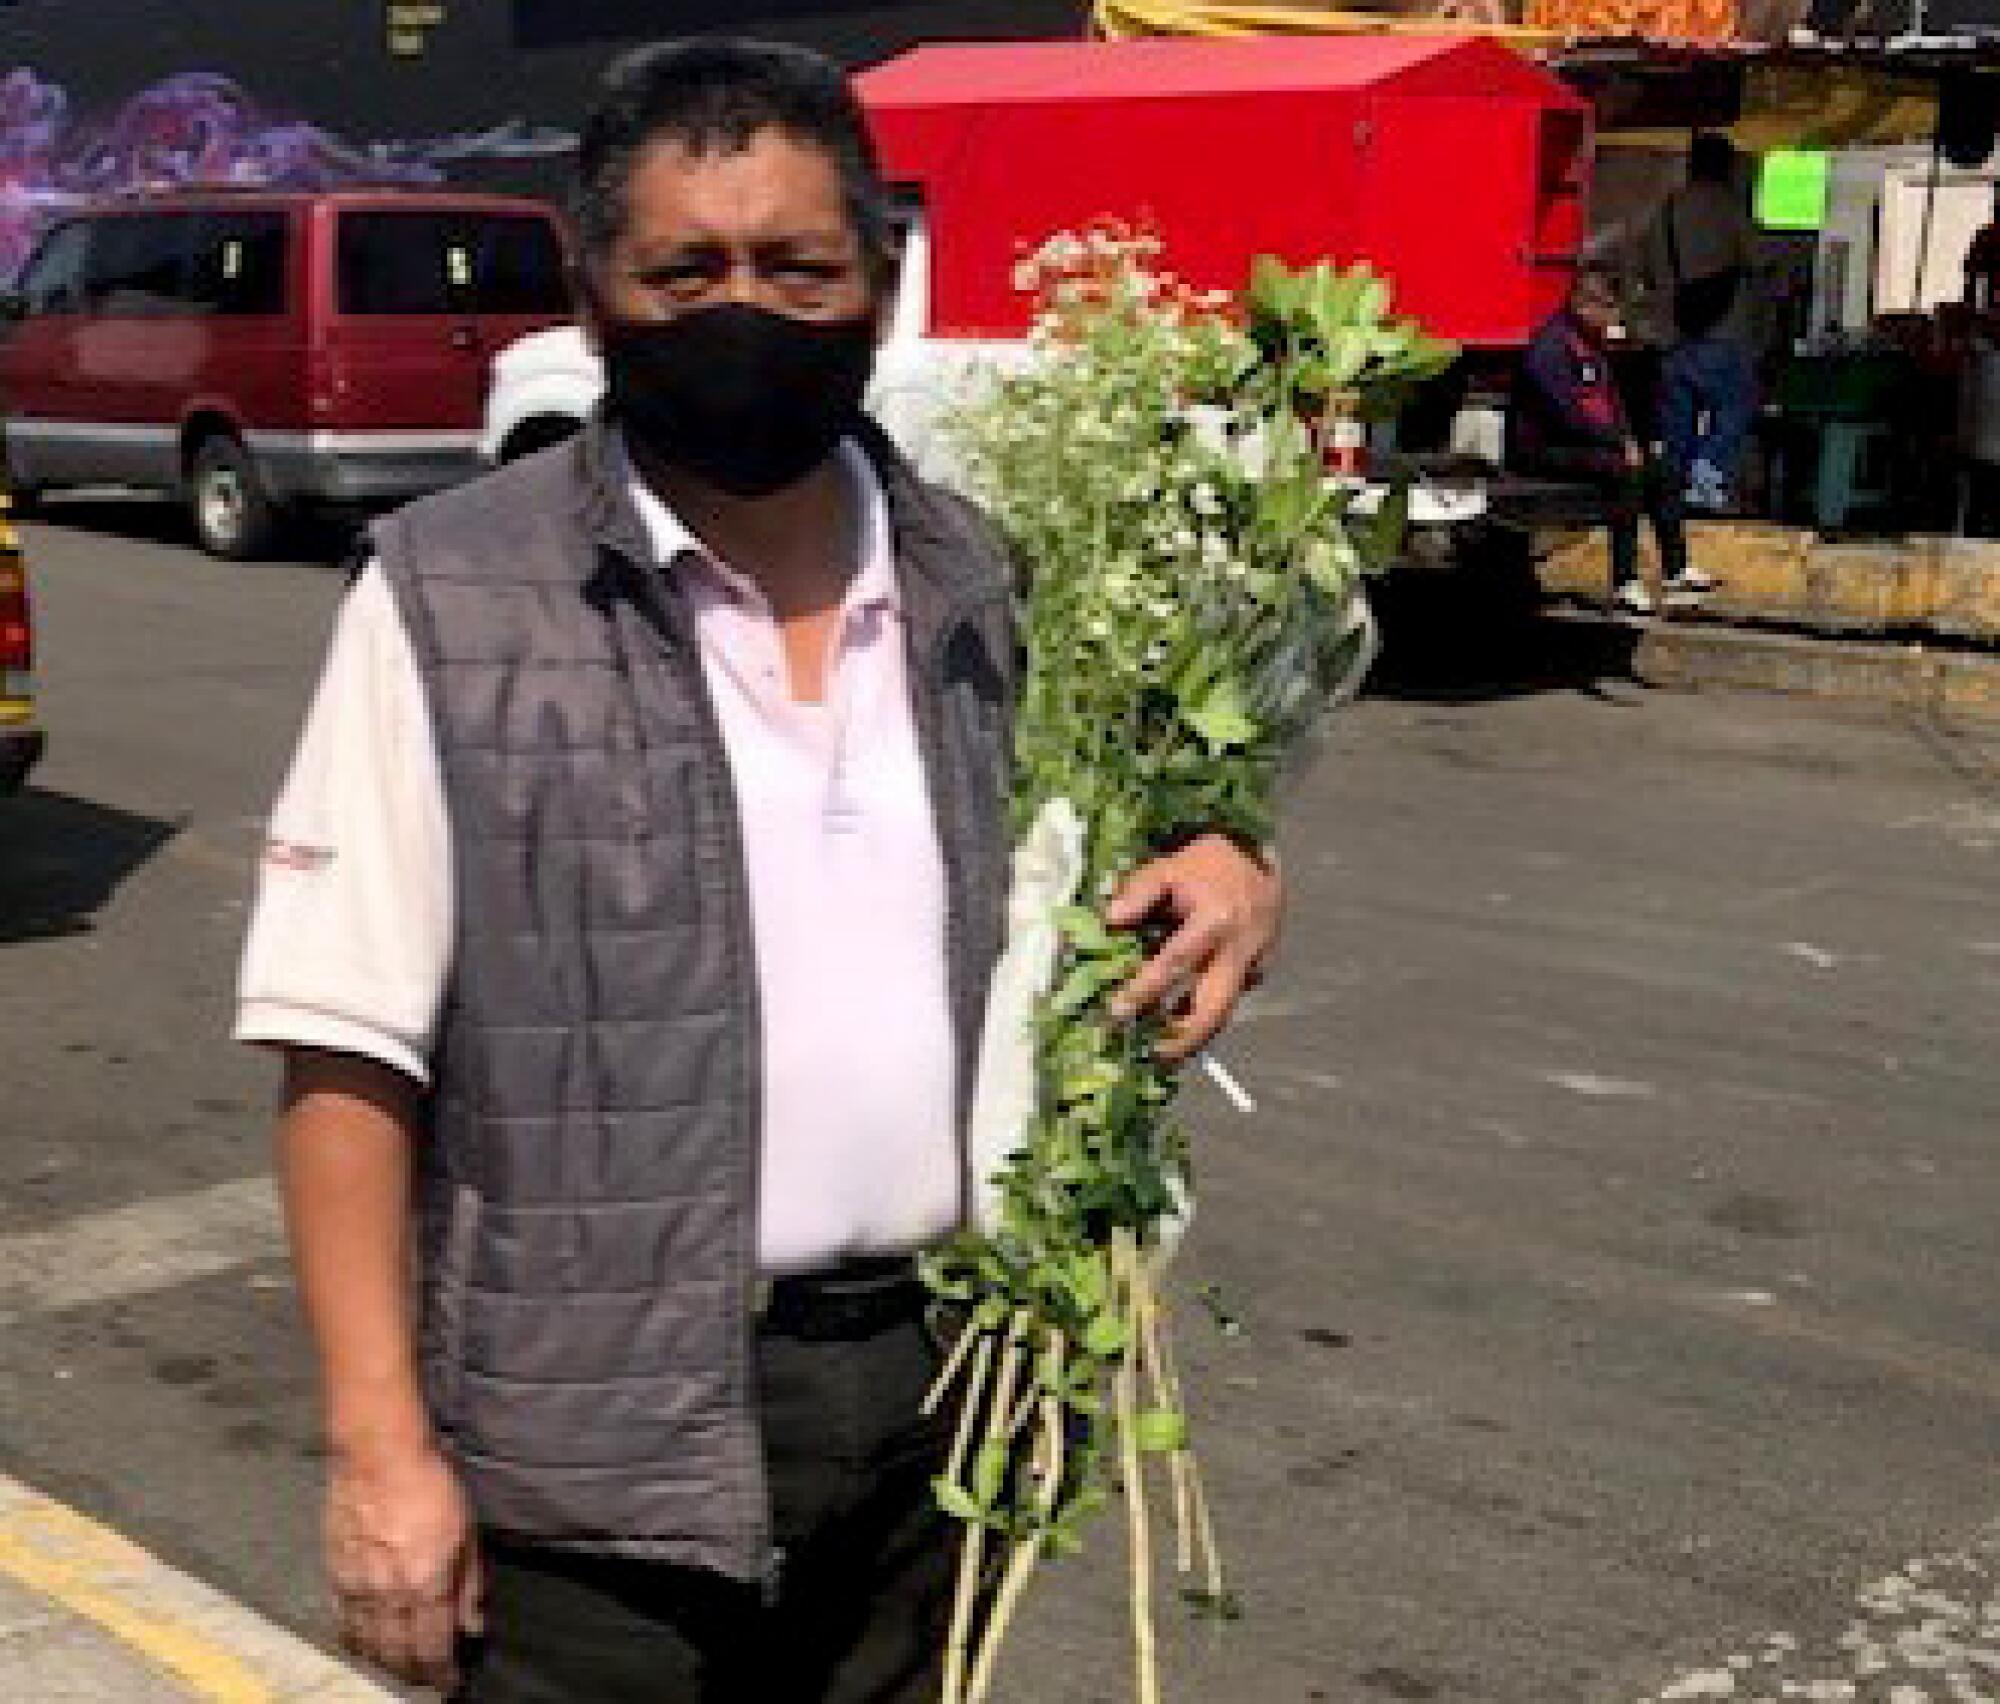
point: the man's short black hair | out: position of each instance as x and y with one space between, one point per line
713 95
1711 158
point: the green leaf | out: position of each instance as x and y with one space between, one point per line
1332 298
1372 301
1085 981
1084 928
1160 1431
1270 287
1288 507
1430 356
1064 1540
1380 536
956 1501
1347 354
989 1472
1222 719
1106 1337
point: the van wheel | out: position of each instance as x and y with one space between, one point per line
233 514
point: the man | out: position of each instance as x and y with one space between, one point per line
1982 268
1570 422
1701 257
626 924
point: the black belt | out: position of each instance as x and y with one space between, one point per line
855 1300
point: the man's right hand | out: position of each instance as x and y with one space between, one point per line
403 1561
1635 455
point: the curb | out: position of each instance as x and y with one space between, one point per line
1948 588
1697 653
203 1645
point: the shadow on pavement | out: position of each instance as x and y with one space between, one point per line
1479 630
61 860
158 520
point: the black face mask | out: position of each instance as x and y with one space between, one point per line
746 400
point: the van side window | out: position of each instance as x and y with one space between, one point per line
520 266
52 282
236 262
138 265
397 262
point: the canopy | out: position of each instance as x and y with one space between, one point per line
1648 92
1651 94
1124 19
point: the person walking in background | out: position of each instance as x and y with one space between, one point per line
626 925
1701 253
1570 422
1982 270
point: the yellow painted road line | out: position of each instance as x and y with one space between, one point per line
92 1573
217 1651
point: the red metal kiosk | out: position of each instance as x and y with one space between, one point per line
1456 167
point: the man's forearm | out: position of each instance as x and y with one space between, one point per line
344 1150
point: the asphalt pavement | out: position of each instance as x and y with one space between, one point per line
1613 1247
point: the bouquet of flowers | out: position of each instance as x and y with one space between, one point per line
1194 608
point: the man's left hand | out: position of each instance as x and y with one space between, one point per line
1225 904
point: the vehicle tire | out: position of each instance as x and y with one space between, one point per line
23 498
541 432
233 515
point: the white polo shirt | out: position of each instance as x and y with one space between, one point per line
350 940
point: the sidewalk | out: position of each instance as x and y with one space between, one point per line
1910 622
86 1617
1945 588
1699 651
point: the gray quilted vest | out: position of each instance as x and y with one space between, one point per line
588 1191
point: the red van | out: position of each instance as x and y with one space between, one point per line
254 351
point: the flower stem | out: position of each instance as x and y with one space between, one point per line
1145 1658
965 1602
1027 1551
1166 1394
954 1364
968 1414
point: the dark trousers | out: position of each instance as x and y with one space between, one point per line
1708 403
1627 494
859 1605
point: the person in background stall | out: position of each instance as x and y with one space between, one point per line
1570 422
1982 269
1700 255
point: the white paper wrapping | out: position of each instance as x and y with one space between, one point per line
1048 870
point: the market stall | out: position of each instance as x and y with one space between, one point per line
1870 162
1871 168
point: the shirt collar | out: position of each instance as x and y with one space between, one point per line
874 585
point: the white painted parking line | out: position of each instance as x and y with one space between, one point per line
1927 1634
136 1250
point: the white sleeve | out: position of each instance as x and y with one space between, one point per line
350 936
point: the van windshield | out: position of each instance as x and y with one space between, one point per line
408 261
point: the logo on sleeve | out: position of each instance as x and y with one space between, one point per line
296 856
